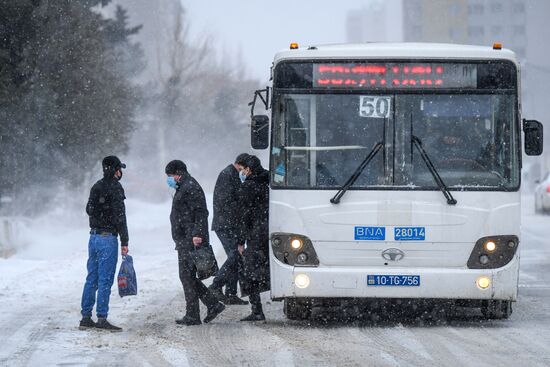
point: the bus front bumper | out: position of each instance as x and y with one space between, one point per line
435 283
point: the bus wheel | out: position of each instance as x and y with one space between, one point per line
497 309
296 309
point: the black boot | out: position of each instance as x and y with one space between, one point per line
232 299
86 323
254 317
213 312
103 324
188 321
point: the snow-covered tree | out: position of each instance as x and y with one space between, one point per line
67 98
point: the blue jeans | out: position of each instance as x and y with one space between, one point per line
102 259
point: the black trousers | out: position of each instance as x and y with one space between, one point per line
256 303
228 274
193 288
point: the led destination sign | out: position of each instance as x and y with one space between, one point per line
395 75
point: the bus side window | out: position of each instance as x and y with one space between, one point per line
297 136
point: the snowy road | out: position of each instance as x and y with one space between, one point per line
39 311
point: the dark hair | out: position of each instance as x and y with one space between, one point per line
252 162
241 158
175 167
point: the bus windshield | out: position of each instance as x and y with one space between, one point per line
320 138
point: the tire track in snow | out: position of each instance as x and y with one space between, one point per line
234 343
400 343
326 345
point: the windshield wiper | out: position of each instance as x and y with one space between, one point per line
357 173
418 144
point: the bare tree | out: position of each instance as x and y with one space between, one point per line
182 64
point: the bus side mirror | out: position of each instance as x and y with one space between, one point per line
533 137
259 132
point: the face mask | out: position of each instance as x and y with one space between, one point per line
242 176
171 181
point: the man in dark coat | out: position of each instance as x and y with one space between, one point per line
226 223
189 220
107 220
255 229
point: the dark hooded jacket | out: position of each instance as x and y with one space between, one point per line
106 207
227 209
189 216
254 272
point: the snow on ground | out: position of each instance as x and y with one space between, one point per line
40 291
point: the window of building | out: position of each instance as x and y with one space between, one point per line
496 7
476 31
518 7
519 30
416 33
454 10
455 33
476 9
496 30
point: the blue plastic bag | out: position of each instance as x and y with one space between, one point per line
127 282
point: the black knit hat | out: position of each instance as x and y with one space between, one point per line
112 164
175 167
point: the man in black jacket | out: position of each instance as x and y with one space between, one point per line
254 200
107 220
226 223
189 220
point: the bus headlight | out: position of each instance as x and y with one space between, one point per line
493 252
296 244
490 246
294 249
301 281
483 282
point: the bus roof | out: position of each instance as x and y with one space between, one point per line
395 51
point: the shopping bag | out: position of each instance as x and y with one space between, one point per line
127 282
205 261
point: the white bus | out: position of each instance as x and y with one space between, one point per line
395 174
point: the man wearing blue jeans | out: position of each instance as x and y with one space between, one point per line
107 220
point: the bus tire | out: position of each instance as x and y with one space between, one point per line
496 309
296 309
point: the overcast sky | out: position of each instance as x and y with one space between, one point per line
260 28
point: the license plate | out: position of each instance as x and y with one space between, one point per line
393 280
409 233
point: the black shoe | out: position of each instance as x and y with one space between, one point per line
234 300
254 317
217 292
189 321
103 324
213 312
86 323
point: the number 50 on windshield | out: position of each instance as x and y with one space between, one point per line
375 106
